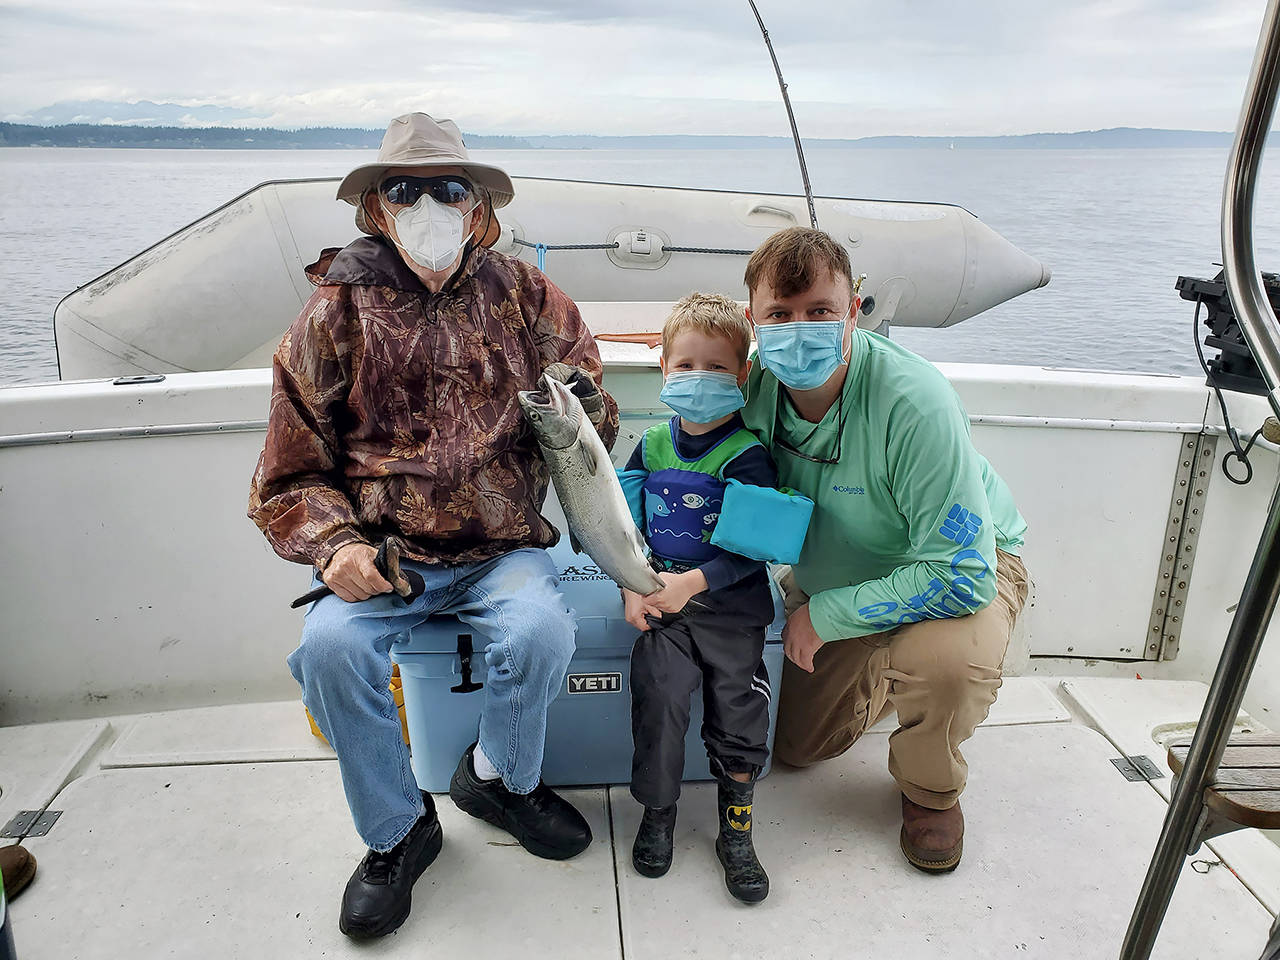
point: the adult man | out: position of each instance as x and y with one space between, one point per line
394 414
909 584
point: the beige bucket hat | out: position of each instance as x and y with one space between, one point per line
417 140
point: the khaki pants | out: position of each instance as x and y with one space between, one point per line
940 675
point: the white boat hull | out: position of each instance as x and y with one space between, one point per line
132 580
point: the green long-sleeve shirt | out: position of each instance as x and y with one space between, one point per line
906 524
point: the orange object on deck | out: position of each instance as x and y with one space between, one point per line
650 340
397 692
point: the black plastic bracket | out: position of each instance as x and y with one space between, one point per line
465 653
1234 367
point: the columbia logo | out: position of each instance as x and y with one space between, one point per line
840 488
961 525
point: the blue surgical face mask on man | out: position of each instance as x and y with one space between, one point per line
701 396
802 354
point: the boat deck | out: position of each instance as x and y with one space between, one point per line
224 832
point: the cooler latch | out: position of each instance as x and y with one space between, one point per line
464 661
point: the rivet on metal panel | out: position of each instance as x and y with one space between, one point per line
1175 570
19 824
44 823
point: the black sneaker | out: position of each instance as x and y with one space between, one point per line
546 824
377 897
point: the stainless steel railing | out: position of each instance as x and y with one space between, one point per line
1252 307
1185 821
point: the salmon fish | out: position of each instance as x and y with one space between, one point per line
600 523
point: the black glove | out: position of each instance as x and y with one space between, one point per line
581 386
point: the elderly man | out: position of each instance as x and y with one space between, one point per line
394 414
909 584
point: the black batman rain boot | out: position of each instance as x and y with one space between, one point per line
651 853
743 874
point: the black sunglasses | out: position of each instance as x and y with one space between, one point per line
779 442
405 190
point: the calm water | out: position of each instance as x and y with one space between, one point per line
1117 228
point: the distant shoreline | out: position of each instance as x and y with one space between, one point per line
350 138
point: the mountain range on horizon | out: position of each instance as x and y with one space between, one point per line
145 123
140 113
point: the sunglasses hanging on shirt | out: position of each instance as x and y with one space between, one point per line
406 191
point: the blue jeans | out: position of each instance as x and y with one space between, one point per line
343 665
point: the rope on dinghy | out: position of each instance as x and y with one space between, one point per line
542 249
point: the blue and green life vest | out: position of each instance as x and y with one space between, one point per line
682 498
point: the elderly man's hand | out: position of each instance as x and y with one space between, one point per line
352 574
581 385
799 640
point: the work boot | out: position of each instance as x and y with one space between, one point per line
932 839
743 874
546 824
651 853
17 868
377 897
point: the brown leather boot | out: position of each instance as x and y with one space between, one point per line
932 839
17 868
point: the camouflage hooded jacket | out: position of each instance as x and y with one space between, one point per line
393 409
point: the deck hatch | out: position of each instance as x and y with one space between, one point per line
1138 767
30 823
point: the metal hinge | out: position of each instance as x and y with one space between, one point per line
30 823
1178 549
1138 768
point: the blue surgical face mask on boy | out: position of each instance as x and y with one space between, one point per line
701 396
802 354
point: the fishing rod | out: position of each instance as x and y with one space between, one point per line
795 134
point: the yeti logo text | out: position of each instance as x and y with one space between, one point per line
739 817
595 683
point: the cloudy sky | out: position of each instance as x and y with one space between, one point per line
855 67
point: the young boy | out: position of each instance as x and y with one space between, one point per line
718 643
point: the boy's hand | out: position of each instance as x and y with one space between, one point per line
636 608
679 588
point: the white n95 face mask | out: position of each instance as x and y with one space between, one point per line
430 232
